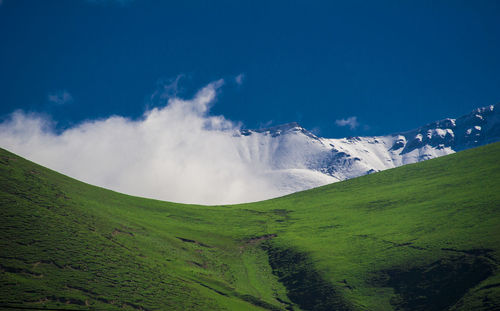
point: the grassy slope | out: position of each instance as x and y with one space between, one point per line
395 239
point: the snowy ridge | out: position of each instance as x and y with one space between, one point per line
299 160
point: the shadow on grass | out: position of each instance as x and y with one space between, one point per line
439 285
305 286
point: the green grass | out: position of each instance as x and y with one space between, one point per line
420 237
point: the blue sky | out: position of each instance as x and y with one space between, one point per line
393 65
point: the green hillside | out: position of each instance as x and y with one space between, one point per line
420 237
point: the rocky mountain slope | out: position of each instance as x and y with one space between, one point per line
299 160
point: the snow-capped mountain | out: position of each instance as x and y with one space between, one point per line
178 154
300 160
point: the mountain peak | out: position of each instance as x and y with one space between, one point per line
479 127
273 131
279 128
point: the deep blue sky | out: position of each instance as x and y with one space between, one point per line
395 65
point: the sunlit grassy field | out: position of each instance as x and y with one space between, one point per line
420 237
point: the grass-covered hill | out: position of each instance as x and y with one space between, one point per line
420 237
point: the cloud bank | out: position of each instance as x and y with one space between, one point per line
177 152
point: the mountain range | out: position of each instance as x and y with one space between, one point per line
300 160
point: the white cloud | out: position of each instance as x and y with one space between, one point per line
177 152
239 79
352 122
60 97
